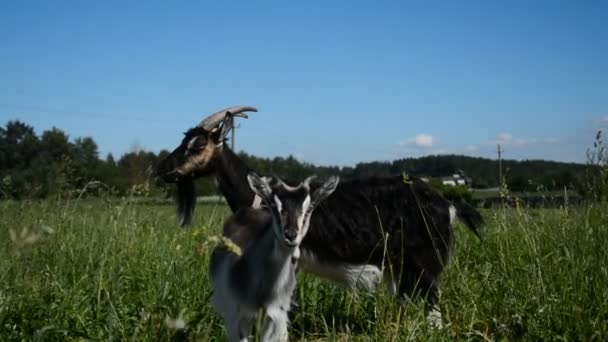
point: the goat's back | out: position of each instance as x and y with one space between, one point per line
246 225
354 221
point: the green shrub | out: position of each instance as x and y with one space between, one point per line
453 193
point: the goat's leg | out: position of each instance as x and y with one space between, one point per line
233 332
433 313
422 283
431 291
245 326
238 327
275 325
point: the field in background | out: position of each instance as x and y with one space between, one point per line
114 269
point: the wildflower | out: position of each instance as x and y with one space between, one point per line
227 244
196 232
178 323
25 237
47 229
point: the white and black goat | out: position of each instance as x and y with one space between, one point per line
263 275
383 227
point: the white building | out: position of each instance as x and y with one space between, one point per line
456 179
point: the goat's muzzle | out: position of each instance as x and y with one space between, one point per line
291 236
167 169
170 177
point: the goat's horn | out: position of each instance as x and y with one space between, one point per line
280 182
213 120
308 180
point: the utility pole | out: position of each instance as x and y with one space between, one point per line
232 139
500 152
234 127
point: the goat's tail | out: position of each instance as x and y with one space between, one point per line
469 216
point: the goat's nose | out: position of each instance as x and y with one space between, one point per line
291 235
169 176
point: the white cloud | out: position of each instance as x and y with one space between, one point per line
421 140
507 139
504 138
523 142
472 148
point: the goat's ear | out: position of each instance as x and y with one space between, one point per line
325 190
227 126
259 186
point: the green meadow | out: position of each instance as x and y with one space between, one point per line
115 269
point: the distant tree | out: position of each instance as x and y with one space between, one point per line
86 160
55 144
372 169
162 154
519 183
18 146
85 151
56 161
52 164
110 159
134 168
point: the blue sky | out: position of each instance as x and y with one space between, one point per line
336 82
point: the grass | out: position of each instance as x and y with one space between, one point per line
111 269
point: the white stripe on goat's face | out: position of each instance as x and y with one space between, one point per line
277 210
304 218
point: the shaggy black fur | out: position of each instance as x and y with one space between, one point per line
186 200
351 226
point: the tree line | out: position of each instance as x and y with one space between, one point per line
527 175
51 164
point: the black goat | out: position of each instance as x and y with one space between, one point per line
391 227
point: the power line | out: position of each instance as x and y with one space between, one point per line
33 110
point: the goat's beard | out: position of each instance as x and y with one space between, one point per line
186 199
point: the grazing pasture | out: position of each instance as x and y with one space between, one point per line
112 268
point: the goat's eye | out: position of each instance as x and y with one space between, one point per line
196 144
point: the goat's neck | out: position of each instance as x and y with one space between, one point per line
231 174
276 257
274 249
